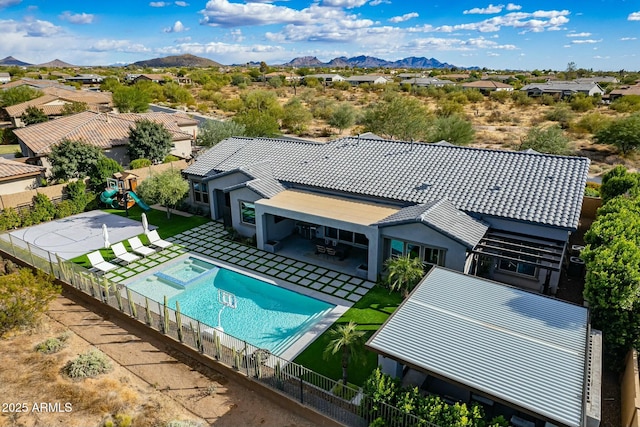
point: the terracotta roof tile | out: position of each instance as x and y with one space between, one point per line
10 169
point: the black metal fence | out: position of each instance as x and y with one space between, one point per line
343 403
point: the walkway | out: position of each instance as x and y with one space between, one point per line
209 240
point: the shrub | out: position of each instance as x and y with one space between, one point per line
550 140
592 189
89 364
521 99
53 345
170 158
140 163
65 208
582 102
43 209
560 114
77 192
9 219
626 104
592 123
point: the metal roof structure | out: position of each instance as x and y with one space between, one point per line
536 188
524 349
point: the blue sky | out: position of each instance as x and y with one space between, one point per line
598 34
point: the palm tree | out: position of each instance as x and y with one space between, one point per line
347 339
404 273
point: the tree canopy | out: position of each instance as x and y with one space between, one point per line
397 117
166 188
453 129
548 140
131 99
33 115
622 133
17 95
149 140
73 159
214 131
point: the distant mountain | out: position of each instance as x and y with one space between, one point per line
10 60
368 62
56 63
178 61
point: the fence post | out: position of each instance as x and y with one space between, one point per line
33 263
13 250
301 390
246 358
53 272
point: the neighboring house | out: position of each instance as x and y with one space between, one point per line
625 91
427 81
53 101
16 177
108 131
85 79
501 77
500 214
531 358
404 76
34 83
5 78
601 79
562 89
155 78
487 86
326 78
372 80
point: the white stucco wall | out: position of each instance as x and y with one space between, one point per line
18 185
245 195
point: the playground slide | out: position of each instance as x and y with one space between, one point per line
139 201
108 198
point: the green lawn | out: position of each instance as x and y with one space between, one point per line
369 313
9 149
167 227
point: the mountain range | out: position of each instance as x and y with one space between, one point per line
368 62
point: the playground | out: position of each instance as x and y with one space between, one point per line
78 234
120 193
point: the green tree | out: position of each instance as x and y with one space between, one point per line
131 99
623 133
619 181
404 273
166 188
149 140
295 116
260 113
140 163
110 84
33 115
74 107
77 193
549 140
23 298
347 339
177 94
343 117
213 131
73 159
397 116
103 169
18 95
453 129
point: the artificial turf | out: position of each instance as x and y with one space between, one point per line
369 313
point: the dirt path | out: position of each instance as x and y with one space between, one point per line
204 394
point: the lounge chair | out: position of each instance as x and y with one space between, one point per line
122 254
97 262
155 240
139 248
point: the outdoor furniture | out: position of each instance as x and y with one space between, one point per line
321 249
331 251
122 254
139 248
155 240
97 262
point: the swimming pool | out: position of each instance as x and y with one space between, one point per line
266 315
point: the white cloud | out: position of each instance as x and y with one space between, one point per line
118 46
456 44
183 40
635 16
527 22
379 2
347 4
404 17
512 6
177 27
624 39
586 41
236 35
491 9
181 3
579 35
7 3
77 18
37 28
158 4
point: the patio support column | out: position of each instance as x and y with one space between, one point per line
261 228
372 253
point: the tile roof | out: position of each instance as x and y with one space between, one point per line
99 129
442 216
562 86
520 347
487 84
11 169
537 188
36 83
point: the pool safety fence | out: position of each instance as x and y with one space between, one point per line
345 404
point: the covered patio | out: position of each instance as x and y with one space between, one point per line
321 228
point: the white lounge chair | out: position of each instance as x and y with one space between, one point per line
156 240
122 254
139 248
97 262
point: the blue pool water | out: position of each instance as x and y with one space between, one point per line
266 316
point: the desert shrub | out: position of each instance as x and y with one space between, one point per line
53 345
9 219
170 158
592 189
560 114
24 296
65 208
449 108
549 140
140 163
521 99
547 99
77 192
89 364
581 102
501 96
592 123
626 104
474 95
42 210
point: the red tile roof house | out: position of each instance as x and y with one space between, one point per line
108 131
17 176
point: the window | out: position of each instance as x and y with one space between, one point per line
413 250
330 232
361 239
519 267
248 213
434 256
200 192
345 236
